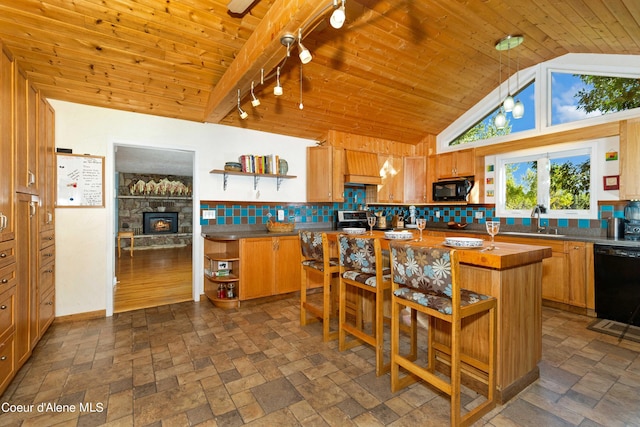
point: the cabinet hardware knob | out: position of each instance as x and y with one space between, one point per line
48 271
5 281
3 307
3 358
3 255
50 303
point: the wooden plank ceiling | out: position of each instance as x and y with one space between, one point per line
397 70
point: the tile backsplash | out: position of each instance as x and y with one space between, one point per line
251 213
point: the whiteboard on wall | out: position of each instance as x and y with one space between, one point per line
80 181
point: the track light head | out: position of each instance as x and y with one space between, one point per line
338 15
254 101
277 90
243 114
305 55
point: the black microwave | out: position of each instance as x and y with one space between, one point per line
455 190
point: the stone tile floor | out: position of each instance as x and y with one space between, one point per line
194 364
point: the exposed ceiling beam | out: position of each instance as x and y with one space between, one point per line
262 50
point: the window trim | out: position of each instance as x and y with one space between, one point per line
559 150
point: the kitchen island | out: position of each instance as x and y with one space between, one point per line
512 273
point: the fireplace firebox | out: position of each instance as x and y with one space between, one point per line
160 222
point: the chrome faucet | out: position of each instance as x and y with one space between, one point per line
537 211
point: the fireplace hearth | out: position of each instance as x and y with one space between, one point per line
159 222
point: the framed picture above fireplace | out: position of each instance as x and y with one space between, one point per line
159 222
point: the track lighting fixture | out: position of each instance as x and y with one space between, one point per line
254 101
338 15
277 90
305 55
243 114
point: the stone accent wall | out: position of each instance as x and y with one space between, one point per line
130 209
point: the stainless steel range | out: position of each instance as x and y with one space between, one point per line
346 219
632 220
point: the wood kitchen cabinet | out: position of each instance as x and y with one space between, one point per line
325 174
25 134
269 266
227 252
415 179
392 173
630 159
456 164
565 276
6 148
46 164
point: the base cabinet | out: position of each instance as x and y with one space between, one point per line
270 266
221 272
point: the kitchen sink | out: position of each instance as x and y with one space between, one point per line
532 234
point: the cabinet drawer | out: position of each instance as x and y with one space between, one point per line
7 277
47 255
7 252
47 238
47 311
46 278
7 312
6 362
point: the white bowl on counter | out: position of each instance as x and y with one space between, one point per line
463 242
398 235
354 230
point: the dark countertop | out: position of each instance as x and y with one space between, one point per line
236 232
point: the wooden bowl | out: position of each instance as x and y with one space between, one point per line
455 225
281 227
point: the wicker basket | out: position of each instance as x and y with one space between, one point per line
280 227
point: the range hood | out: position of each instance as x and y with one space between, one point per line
361 168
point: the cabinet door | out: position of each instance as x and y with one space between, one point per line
46 164
392 188
554 277
26 114
6 148
415 179
325 174
465 163
577 277
287 264
446 165
257 268
629 160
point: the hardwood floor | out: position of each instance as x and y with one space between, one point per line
153 278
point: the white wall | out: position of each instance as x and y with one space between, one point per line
85 237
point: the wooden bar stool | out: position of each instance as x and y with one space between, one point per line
125 235
316 261
425 279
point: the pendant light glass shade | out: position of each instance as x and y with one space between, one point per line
508 104
501 120
518 110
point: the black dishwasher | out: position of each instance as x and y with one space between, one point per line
617 283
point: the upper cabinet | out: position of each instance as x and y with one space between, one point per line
46 163
26 140
391 171
630 159
325 174
415 179
456 164
6 148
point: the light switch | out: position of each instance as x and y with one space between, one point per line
280 214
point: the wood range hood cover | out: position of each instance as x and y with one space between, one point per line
361 168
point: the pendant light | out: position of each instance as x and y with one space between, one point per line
508 105
301 105
500 120
518 108
508 101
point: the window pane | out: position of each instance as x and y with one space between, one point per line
486 128
521 185
570 182
578 96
